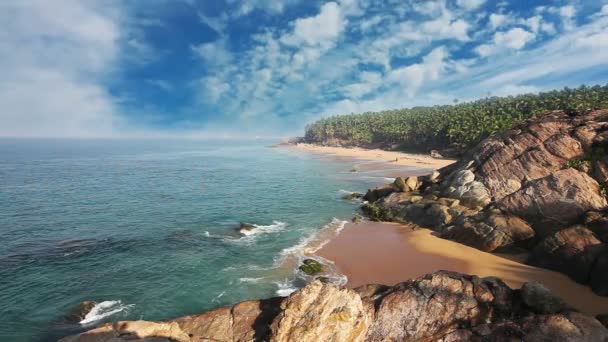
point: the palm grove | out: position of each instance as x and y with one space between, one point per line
456 126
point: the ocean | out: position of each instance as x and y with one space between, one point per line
148 229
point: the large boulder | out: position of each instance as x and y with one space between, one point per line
378 192
572 251
321 312
489 231
597 222
433 306
555 201
79 312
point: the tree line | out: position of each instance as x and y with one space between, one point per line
455 127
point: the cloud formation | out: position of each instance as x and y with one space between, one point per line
111 68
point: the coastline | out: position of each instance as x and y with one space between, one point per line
389 253
388 157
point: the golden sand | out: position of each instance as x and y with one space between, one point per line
387 253
396 158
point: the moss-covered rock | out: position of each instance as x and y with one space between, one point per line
352 196
356 219
311 267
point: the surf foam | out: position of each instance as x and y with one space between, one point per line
103 310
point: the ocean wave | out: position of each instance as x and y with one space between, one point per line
285 288
250 280
311 244
103 310
276 226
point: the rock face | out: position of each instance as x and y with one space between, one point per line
545 204
529 187
442 306
572 251
322 313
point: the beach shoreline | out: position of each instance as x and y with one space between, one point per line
388 157
389 253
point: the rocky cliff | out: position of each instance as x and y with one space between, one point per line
443 306
540 186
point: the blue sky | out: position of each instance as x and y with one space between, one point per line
267 67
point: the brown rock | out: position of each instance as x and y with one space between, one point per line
432 306
489 231
376 193
546 205
540 299
571 251
401 185
80 311
321 312
132 330
412 182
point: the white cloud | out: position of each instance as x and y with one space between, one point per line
498 20
567 11
214 54
322 29
470 4
412 77
368 82
514 39
54 58
604 10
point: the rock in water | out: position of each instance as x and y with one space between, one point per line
246 228
311 267
352 196
321 312
80 311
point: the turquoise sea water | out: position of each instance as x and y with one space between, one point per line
148 227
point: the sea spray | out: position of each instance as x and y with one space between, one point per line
104 310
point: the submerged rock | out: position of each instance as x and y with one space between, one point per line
352 196
246 228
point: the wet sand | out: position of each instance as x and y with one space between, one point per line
394 158
387 253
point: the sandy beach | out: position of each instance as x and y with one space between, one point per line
391 157
388 253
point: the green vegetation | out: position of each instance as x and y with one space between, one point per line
356 219
459 126
311 267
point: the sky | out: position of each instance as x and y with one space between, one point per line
229 68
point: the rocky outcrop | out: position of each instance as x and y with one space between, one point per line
322 313
556 201
540 186
572 251
442 306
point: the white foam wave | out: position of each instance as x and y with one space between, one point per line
250 280
285 288
276 226
105 309
313 243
